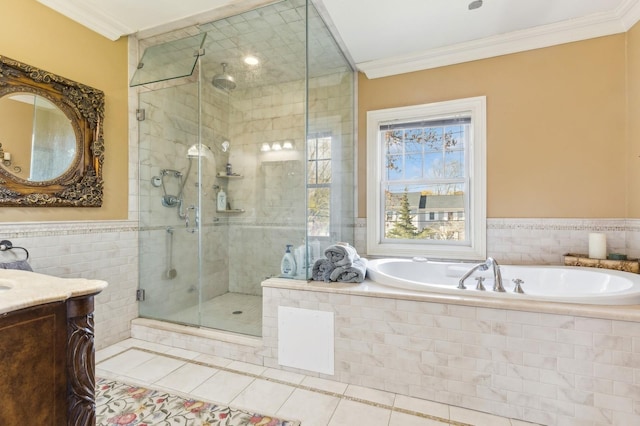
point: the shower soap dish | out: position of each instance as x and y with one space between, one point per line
628 265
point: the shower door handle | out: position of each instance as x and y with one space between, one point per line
186 219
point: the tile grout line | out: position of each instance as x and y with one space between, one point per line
297 386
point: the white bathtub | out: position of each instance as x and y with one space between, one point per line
568 284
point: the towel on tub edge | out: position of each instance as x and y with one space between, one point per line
322 269
350 274
341 254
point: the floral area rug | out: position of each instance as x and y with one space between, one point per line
120 404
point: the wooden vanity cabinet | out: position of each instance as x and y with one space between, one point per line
47 365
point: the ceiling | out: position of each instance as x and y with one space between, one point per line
388 37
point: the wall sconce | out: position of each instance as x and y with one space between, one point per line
276 146
287 145
265 147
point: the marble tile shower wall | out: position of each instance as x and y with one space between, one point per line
94 250
545 368
272 190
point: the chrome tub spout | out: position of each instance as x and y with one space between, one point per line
489 263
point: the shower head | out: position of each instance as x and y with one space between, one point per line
224 81
198 150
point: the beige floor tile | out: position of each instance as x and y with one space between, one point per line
222 387
422 406
154 369
283 376
213 360
373 395
476 418
263 396
246 367
402 419
311 408
126 361
187 378
324 384
351 413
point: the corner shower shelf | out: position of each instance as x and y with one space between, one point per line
231 211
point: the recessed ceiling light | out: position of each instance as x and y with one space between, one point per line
251 60
475 4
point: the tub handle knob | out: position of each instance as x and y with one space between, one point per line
518 286
480 286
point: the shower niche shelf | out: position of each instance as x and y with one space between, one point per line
226 176
231 211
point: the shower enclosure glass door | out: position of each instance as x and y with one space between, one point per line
275 137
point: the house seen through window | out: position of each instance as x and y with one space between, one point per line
426 180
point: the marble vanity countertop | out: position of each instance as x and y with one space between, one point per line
23 289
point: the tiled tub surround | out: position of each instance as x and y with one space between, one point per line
553 364
93 250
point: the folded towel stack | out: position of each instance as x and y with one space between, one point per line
341 264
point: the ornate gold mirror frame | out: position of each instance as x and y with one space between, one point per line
81 184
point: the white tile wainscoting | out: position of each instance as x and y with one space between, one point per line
105 250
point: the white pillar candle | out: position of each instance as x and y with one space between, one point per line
7 156
597 246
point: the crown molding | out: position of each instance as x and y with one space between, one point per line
101 23
596 25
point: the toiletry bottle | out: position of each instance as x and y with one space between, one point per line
288 264
222 200
228 169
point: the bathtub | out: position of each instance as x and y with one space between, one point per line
567 284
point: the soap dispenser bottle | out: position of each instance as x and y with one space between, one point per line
221 203
288 264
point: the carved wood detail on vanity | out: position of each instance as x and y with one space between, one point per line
47 374
81 362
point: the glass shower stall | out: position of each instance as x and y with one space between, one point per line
246 145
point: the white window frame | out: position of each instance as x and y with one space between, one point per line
475 248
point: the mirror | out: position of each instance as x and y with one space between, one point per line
51 142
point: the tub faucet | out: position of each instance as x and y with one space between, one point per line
489 263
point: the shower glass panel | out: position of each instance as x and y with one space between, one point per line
168 196
255 124
330 139
168 60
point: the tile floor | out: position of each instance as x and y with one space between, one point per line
313 401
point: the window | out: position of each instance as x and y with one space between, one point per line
319 185
426 180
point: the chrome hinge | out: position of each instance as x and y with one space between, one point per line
140 295
199 52
140 114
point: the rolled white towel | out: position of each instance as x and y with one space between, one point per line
341 255
322 269
350 274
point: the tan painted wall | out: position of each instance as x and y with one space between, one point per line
38 36
633 152
556 137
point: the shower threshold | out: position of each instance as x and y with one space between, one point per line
206 340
